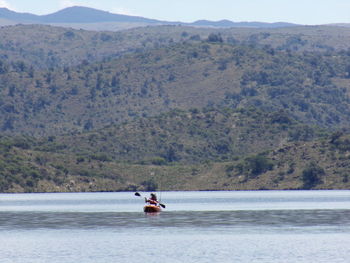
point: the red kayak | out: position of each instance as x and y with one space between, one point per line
151 209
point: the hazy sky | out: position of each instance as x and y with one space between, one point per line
295 11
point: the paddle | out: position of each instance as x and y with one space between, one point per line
138 194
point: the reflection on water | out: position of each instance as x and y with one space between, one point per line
264 227
195 220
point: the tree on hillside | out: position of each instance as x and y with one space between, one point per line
215 38
89 125
255 165
311 175
3 67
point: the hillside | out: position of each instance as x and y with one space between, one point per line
187 137
311 87
174 107
320 164
44 46
29 165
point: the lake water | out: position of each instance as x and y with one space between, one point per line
232 226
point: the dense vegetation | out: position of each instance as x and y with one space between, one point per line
320 164
48 47
188 137
312 87
173 108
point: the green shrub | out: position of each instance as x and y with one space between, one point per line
311 175
80 159
158 161
258 164
254 165
101 157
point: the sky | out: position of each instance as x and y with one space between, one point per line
308 12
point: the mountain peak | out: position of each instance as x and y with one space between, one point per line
6 13
87 15
81 14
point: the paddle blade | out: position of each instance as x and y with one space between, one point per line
137 194
162 205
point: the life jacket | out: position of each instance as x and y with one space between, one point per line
152 201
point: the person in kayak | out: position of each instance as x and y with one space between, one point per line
152 200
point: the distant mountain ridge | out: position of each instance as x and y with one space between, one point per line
79 14
19 17
228 23
75 14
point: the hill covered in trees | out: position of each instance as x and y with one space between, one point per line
312 87
187 108
188 137
309 159
44 46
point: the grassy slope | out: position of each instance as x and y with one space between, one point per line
183 76
28 170
85 162
312 86
189 136
47 46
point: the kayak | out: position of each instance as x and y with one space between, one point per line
151 209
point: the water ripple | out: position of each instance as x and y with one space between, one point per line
195 219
